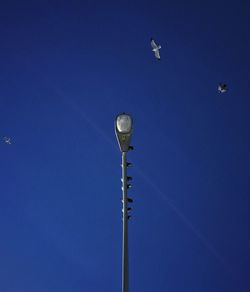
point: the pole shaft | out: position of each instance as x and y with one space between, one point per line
125 225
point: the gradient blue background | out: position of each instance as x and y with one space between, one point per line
66 69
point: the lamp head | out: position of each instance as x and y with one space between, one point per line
123 130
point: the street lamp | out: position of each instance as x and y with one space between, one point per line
123 131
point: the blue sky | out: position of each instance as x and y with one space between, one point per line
67 68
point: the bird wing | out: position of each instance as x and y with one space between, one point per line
153 44
157 54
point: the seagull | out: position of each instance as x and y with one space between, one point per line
7 140
222 87
155 48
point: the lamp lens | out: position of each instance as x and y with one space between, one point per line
124 123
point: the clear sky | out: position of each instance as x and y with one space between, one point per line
66 69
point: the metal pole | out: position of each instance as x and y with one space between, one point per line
125 225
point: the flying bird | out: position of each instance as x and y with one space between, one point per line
7 140
222 87
156 49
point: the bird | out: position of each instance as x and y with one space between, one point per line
7 140
222 87
155 48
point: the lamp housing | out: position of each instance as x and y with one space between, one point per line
123 131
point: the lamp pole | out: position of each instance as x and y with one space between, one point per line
123 130
125 225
